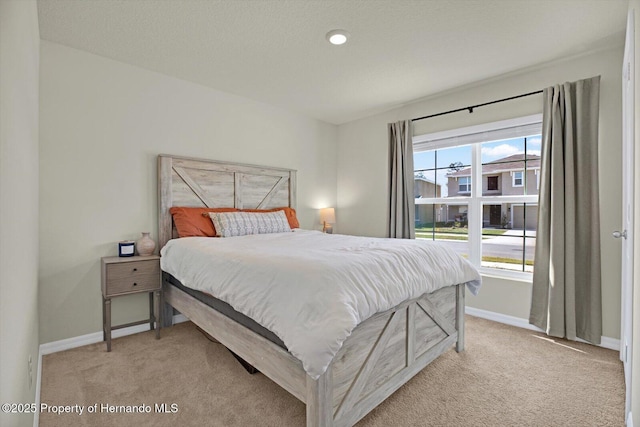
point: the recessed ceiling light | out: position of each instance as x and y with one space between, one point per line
337 37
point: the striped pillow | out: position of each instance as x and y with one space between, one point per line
231 224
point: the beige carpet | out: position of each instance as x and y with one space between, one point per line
506 377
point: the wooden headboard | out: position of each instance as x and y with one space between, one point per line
209 183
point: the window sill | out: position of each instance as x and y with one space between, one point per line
518 276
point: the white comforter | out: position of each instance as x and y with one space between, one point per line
312 289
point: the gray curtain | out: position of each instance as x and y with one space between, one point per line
566 299
402 204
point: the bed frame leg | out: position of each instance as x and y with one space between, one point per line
320 400
167 315
167 310
460 317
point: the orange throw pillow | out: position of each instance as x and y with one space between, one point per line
289 212
190 222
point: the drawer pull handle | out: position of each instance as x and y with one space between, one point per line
135 269
135 284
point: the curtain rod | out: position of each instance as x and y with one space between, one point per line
471 107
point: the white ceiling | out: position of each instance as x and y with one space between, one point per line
275 50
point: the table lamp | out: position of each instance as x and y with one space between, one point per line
327 217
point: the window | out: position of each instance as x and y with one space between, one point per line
464 184
518 180
492 183
495 226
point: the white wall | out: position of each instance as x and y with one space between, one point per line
19 59
635 379
363 185
102 125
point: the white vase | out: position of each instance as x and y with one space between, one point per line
145 245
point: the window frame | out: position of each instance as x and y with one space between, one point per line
475 136
467 184
514 177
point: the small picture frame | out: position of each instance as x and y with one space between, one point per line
126 248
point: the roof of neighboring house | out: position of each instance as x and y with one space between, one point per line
430 181
510 163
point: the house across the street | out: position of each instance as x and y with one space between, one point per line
513 175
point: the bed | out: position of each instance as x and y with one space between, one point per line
378 355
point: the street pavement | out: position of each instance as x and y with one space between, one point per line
508 245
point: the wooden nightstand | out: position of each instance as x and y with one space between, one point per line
130 275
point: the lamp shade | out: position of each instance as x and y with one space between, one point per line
328 215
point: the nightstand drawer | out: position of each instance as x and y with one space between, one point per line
132 277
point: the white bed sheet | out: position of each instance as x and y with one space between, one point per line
312 289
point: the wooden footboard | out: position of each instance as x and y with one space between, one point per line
385 352
380 355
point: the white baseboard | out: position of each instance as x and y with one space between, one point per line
629 420
69 343
610 343
605 342
179 318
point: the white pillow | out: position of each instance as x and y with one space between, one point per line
230 224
